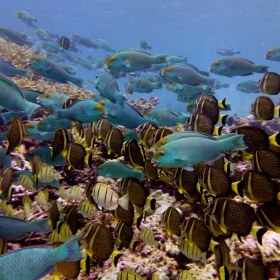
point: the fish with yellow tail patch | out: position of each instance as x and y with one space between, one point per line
134 153
114 141
70 215
269 83
185 180
90 135
258 187
148 237
16 133
236 217
122 215
76 156
102 127
268 162
105 197
263 108
202 123
129 275
145 132
54 214
97 240
171 219
191 251
196 232
87 209
138 194
124 235
6 190
150 171
62 137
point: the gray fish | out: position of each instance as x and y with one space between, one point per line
248 86
14 37
10 70
227 51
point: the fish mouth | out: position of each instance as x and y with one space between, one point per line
266 56
210 69
162 73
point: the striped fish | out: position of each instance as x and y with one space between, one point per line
42 198
191 251
27 182
87 209
47 173
27 204
185 275
107 198
6 210
61 192
76 193
129 275
148 237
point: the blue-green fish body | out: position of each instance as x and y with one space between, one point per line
27 19
52 100
43 35
114 169
98 63
6 117
81 40
85 62
50 46
36 134
32 95
248 87
189 150
52 70
185 89
51 123
153 77
102 44
108 88
10 70
67 55
273 54
55 57
227 51
13 99
35 262
220 85
127 116
85 111
16 229
50 33
176 59
38 47
186 74
188 98
45 154
5 160
236 66
166 118
71 69
131 135
3 136
142 85
131 61
14 37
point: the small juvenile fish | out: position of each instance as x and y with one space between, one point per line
87 209
27 182
191 251
76 193
42 199
47 173
148 237
27 203
105 197
61 192
185 275
176 59
36 262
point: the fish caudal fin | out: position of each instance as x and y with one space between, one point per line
23 72
70 250
33 108
76 81
211 82
160 59
261 68
123 201
157 85
41 226
239 143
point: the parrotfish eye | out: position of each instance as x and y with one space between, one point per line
217 62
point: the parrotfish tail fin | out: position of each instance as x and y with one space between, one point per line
223 273
277 111
139 175
120 99
23 72
115 257
236 52
61 113
238 142
185 59
218 130
258 233
275 139
76 81
123 201
223 119
160 59
157 85
33 108
261 68
211 82
149 47
70 250
41 225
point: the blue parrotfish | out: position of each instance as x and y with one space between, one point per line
186 151
81 40
142 85
71 69
108 88
13 37
67 55
51 123
6 117
5 160
36 134
31 95
85 62
115 169
13 99
37 261
104 45
52 70
10 70
52 100
225 51
38 47
43 35
51 47
27 19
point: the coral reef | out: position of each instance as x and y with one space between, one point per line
144 106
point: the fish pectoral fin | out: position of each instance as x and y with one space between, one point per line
189 168
179 76
214 158
127 63
182 157
84 112
49 68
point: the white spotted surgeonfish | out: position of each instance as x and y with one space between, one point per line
236 66
197 147
36 262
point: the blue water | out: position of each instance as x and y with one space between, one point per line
187 28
